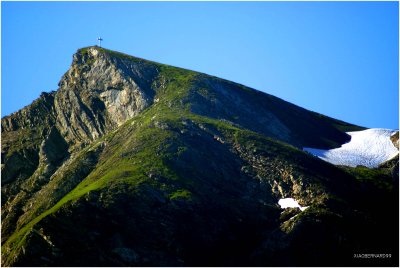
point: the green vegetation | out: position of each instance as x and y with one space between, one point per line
181 194
379 177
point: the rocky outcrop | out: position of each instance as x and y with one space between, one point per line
53 148
39 113
100 92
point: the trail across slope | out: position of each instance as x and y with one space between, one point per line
369 148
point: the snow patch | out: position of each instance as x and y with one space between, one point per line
290 203
368 148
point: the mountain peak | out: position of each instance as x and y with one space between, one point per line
135 163
98 61
104 88
93 52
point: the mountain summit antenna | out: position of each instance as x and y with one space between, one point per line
99 39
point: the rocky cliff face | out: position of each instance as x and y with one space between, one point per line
132 162
100 92
96 95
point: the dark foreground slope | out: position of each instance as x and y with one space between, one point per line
132 163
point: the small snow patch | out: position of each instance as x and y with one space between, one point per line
290 203
369 148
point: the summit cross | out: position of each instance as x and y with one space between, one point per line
100 39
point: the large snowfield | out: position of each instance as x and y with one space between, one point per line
368 148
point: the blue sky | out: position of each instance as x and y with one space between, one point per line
336 58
